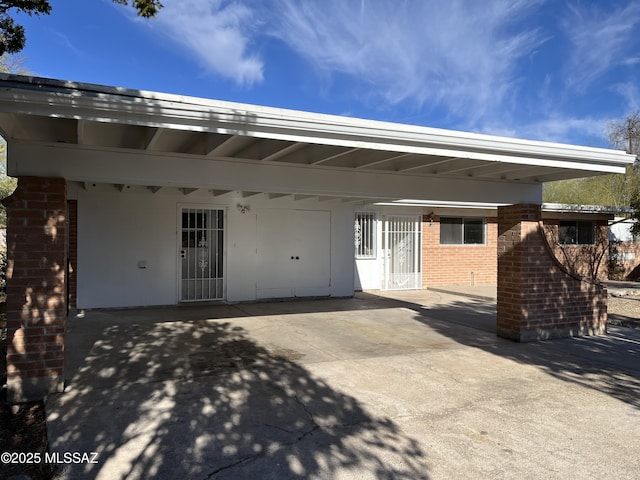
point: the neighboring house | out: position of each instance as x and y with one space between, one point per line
625 249
130 198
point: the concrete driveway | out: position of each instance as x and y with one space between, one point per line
374 387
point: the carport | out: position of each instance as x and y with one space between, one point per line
131 198
411 385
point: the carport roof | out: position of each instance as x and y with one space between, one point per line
46 110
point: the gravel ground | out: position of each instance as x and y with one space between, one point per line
624 311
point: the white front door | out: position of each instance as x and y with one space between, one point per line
201 267
401 247
294 253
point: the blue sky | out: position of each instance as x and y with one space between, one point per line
540 69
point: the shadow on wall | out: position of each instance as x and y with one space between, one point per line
590 261
36 274
538 297
223 407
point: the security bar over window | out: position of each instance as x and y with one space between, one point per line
365 235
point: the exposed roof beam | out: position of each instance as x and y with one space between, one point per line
80 129
8 125
460 168
384 160
230 146
285 151
355 200
249 194
220 193
484 171
273 196
154 189
427 165
152 138
187 191
334 156
329 199
302 197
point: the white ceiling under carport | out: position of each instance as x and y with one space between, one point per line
47 111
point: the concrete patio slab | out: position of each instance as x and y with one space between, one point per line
370 387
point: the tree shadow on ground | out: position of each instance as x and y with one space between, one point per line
199 399
607 363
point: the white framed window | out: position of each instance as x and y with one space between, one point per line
462 231
577 232
364 235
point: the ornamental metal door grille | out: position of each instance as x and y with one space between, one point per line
401 244
201 254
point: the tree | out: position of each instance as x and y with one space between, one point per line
626 135
7 184
620 190
8 64
12 35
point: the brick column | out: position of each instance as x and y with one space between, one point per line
537 297
36 268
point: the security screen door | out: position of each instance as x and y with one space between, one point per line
201 254
401 247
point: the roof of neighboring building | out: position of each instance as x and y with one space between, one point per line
571 208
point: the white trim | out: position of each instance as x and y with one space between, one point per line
65 99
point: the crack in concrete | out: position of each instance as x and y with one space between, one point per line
253 458
250 458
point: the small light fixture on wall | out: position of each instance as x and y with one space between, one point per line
431 218
243 208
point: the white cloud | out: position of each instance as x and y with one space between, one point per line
460 54
630 93
601 39
219 33
563 129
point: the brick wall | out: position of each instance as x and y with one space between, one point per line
72 215
36 307
477 264
589 261
457 264
537 297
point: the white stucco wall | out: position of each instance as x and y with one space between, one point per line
369 272
117 230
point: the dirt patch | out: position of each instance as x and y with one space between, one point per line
624 311
23 433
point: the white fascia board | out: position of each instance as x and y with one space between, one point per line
443 204
545 207
57 98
